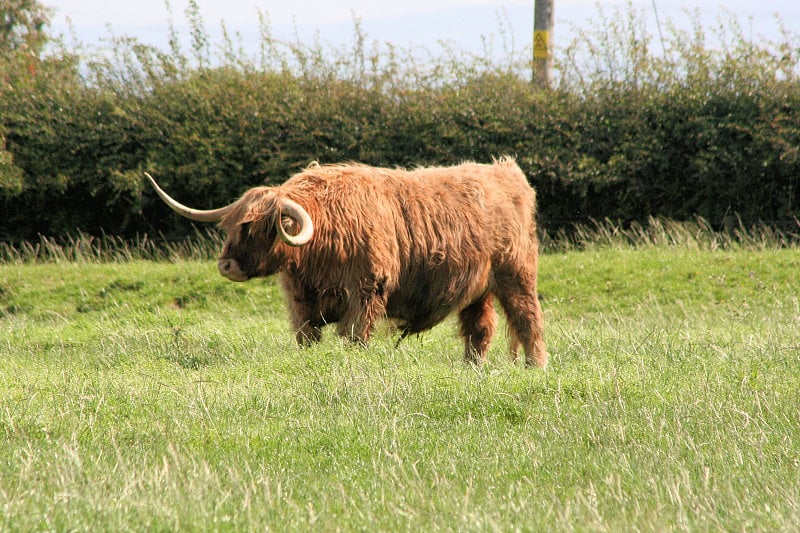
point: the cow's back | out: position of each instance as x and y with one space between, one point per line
431 238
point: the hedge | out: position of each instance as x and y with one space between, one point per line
691 134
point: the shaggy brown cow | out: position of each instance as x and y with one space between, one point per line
352 244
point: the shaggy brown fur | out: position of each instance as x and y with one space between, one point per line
413 246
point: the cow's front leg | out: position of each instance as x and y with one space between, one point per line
365 307
305 310
307 322
360 319
307 333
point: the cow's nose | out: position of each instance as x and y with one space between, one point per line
229 268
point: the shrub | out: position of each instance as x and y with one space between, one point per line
626 135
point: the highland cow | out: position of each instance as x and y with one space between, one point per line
352 244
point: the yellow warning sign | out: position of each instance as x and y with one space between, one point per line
541 44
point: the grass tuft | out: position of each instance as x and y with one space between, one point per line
84 248
658 232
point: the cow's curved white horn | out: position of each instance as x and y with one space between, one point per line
211 215
295 211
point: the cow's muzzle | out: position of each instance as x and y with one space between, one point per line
229 268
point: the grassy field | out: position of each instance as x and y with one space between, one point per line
157 396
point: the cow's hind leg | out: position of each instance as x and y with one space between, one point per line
517 295
478 323
513 344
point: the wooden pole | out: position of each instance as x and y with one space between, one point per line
543 43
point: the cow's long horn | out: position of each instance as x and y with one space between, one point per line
295 211
211 215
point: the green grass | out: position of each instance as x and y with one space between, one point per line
157 396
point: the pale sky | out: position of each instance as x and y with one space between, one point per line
401 22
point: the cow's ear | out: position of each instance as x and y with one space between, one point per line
290 225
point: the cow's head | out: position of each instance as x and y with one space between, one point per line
253 224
